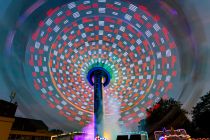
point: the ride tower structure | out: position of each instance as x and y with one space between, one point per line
99 78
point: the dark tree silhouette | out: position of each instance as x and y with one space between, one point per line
56 131
201 115
166 113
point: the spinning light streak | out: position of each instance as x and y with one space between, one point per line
126 40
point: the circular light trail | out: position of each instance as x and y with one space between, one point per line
131 44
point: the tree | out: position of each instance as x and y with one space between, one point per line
56 131
166 113
12 96
201 114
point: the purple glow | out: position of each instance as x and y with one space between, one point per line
174 12
29 11
9 40
89 133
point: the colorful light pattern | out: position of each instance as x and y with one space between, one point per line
126 40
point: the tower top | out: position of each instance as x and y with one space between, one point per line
101 71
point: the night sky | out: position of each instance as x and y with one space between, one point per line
186 21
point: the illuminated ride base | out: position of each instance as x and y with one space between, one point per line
172 135
124 135
99 78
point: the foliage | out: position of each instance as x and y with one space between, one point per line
166 113
201 113
169 113
162 109
56 131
